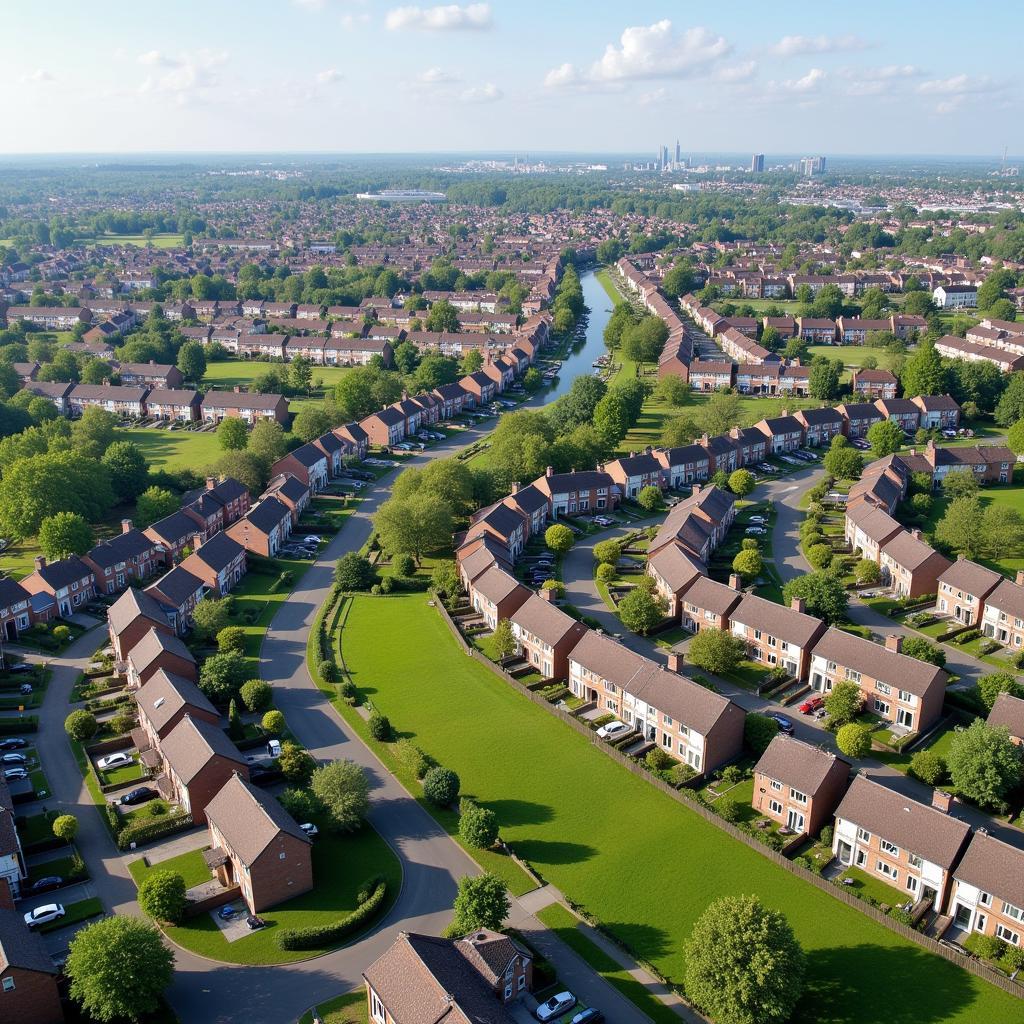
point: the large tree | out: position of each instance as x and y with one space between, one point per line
823 595
310 423
885 437
923 372
716 650
641 611
232 434
415 525
154 504
162 896
344 790
63 534
743 963
984 764
93 434
128 469
443 316
722 411
481 902
823 382
267 440
577 405
960 528
192 361
119 969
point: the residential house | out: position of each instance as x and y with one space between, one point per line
868 529
820 425
422 978
257 845
635 472
15 610
384 428
496 595
859 417
162 703
799 785
158 650
13 869
177 532
115 563
956 296
69 582
28 974
938 412
334 450
904 691
785 433
230 494
750 444
151 374
683 464
56 391
219 564
578 492
963 590
264 529
308 463
674 572
545 635
507 526
902 411
218 405
122 401
709 375
290 491
198 760
480 385
532 504
708 604
988 889
454 399
1003 617
129 619
873 384
816 330
1009 711
775 635
174 404
722 452
911 567
904 843
354 435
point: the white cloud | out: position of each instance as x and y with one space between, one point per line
486 93
737 72
350 22
647 52
310 5
654 97
808 83
795 46
874 81
443 18
436 76
182 77
39 75
953 92
329 76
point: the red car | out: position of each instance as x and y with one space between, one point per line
811 705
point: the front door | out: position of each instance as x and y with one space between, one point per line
845 852
962 917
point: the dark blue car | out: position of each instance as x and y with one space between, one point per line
785 725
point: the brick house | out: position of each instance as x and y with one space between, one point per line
673 572
264 529
176 532
859 418
496 595
938 411
218 405
308 463
868 529
69 582
219 564
910 567
963 590
158 650
545 635
820 425
1009 711
256 844
355 436
785 433
775 635
120 400
683 464
453 397
15 610
174 404
177 593
907 844
130 618
799 785
131 555
635 472
423 978
708 604
873 383
475 557
151 374
384 428
988 889
291 492
578 492
902 411
227 492
904 691
198 759
1003 617
163 702
13 870
334 450
28 975
530 503
56 391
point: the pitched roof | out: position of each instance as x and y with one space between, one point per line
878 662
64 572
712 596
218 552
1009 711
250 819
798 764
923 830
1009 598
176 527
675 567
911 552
122 548
129 606
544 620
267 513
21 948
165 694
785 623
970 577
192 744
153 644
497 585
177 586
994 867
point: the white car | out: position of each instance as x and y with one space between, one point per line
310 829
757 520
613 729
44 914
15 774
556 1006
755 531
115 761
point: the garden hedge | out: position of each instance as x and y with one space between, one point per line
319 936
156 828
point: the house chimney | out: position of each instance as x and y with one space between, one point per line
734 433
546 595
211 482
516 485
237 389
797 604
942 801
785 412
675 661
152 362
40 561
704 440
106 382
735 581
894 642
549 471
916 534
1020 578
126 526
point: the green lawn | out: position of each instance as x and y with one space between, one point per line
350 1008
636 859
230 372
63 866
566 926
36 828
867 885
190 866
126 773
851 355
254 594
18 559
81 910
160 240
176 449
342 865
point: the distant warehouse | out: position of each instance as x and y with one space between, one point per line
403 195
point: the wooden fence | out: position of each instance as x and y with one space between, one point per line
947 952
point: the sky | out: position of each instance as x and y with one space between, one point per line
521 76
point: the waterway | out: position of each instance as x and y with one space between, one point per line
580 360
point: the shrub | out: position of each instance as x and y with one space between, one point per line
162 896
273 722
819 555
441 786
657 760
727 808
987 947
758 731
827 834
607 551
867 572
412 758
61 633
1013 958
139 831
320 936
732 774
386 585
329 671
348 690
928 767
403 565
123 722
898 913
380 727
556 587
256 695
606 572
681 773
65 827
231 640
478 826
81 726
854 740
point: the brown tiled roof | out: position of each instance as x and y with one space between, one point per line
797 764
675 567
994 867
1009 711
712 596
785 623
496 585
192 743
911 825
544 620
970 577
164 694
879 662
129 606
911 552
153 644
21 948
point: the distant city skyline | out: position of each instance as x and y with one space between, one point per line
363 76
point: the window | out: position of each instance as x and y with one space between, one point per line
883 688
911 883
863 835
376 1007
776 785
985 899
914 861
775 807
1011 911
887 869
886 847
1013 938
8 984
881 707
666 740
852 675
799 797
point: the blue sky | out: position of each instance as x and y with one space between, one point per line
524 75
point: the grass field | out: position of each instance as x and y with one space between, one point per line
637 860
350 1008
176 449
161 240
851 355
239 371
342 865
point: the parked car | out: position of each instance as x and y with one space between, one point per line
20 668
13 743
785 724
556 1006
591 1015
119 760
138 796
757 521
312 538
949 433
44 914
613 729
755 531
310 829
811 705
15 774
226 912
25 689
254 923
13 759
46 884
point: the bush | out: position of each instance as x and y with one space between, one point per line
657 760
80 726
478 826
681 773
273 722
606 572
732 775
987 947
231 640
65 827
139 831
329 671
256 695
607 551
819 555
727 809
162 896
758 731
441 786
386 585
320 936
348 691
123 722
61 633
380 727
403 565
412 758
928 767
556 587
827 834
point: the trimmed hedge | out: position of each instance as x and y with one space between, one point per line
156 828
319 936
27 723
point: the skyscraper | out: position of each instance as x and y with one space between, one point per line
679 159
757 163
664 158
